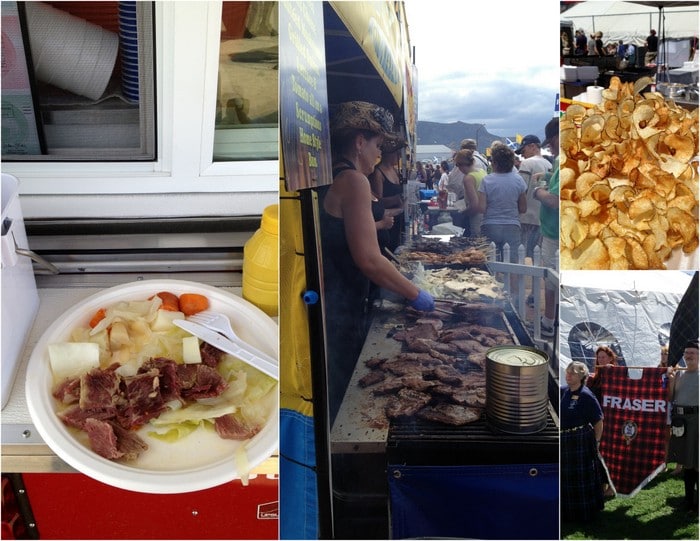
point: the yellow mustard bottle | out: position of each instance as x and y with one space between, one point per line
261 264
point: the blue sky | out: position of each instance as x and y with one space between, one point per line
494 63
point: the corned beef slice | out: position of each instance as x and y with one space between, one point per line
230 427
98 389
168 379
109 406
210 354
103 440
76 417
200 381
68 391
128 443
112 441
143 400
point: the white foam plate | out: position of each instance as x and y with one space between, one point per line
199 461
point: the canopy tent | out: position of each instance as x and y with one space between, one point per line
363 61
631 21
433 153
629 311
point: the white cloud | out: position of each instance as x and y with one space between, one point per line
493 62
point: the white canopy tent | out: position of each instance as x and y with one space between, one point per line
629 311
433 153
631 21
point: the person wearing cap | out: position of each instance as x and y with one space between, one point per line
532 168
387 188
351 257
549 225
582 467
652 46
683 391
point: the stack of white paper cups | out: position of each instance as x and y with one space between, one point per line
69 52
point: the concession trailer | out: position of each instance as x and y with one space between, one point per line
395 462
139 151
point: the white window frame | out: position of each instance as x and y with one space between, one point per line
184 180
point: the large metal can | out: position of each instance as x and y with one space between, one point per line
516 389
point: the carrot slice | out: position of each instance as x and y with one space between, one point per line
170 301
97 317
191 303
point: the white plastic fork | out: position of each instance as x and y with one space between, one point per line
220 323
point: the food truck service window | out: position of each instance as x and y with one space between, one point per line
247 90
179 100
78 81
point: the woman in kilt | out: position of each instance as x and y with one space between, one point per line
583 472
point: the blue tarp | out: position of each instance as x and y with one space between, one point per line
298 492
514 501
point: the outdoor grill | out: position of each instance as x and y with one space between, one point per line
369 459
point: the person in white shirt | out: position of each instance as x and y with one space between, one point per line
532 169
480 162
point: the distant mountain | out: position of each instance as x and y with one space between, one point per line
451 135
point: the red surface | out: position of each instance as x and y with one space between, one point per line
74 506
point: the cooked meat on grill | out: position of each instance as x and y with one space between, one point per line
418 382
420 330
375 362
406 403
389 385
375 376
443 367
477 359
469 346
462 395
489 331
435 322
420 345
445 358
450 414
458 333
448 374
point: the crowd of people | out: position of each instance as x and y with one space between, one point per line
593 45
510 198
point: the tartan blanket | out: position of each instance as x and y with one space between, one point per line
634 426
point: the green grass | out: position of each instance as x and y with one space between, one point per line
656 512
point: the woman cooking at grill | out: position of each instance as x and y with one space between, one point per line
582 467
351 254
386 185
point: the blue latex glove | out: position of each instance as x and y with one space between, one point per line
424 301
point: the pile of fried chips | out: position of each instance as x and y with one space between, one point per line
628 181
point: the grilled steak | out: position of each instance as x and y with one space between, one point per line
448 374
420 330
375 362
406 403
450 414
390 385
375 376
